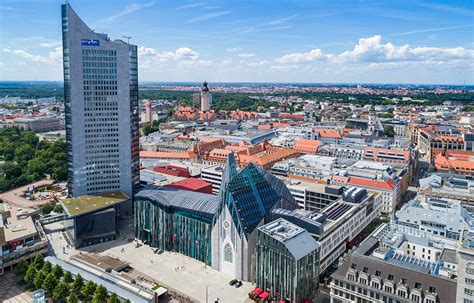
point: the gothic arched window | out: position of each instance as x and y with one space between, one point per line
228 253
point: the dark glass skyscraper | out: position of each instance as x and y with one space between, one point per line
101 105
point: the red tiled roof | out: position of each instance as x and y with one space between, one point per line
328 133
387 184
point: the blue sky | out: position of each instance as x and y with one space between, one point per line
263 41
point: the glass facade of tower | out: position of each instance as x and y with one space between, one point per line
280 272
101 109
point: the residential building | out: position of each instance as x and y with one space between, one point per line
306 146
431 142
458 162
101 107
379 270
213 174
422 255
457 187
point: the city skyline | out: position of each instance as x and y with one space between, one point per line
290 41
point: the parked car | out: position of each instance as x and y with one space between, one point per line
160 251
232 282
238 284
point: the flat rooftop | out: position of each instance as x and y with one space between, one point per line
281 230
90 203
17 224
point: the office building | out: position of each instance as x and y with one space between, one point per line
287 261
101 108
93 219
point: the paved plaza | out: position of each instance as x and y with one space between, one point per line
172 270
14 196
10 292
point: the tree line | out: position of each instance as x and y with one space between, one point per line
60 285
25 158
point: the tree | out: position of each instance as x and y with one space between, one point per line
389 131
127 301
36 169
30 274
58 208
61 291
46 209
100 294
57 271
47 267
113 299
24 153
29 138
89 289
68 277
78 282
21 268
38 261
39 279
11 170
72 298
50 283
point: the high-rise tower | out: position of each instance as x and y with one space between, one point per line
101 106
206 98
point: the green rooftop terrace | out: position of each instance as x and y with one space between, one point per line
90 203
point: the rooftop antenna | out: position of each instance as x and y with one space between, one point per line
128 39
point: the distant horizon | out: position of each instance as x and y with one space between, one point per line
269 82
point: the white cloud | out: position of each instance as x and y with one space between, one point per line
234 49
149 57
313 55
182 53
50 44
53 57
246 55
371 50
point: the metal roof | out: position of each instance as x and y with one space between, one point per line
296 239
203 204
